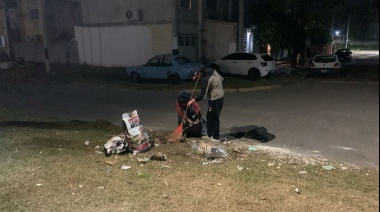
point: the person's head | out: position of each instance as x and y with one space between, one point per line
183 98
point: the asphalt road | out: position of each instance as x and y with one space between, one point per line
323 118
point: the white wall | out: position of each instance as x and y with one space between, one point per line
114 45
126 45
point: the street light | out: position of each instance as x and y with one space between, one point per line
348 28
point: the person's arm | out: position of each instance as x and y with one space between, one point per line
204 88
179 109
202 94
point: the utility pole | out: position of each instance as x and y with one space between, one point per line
6 43
200 28
241 25
46 48
348 28
175 27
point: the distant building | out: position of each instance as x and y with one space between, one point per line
122 33
115 32
22 21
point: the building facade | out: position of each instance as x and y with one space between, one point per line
124 33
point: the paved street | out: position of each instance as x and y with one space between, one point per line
328 119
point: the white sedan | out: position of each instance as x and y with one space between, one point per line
253 65
325 64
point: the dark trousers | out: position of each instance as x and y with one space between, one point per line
213 114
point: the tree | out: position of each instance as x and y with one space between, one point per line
289 23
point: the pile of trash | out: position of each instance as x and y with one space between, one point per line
135 138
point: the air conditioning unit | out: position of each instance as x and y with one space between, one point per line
134 14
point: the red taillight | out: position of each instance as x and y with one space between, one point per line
263 64
312 65
336 65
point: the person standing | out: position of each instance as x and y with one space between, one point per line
211 87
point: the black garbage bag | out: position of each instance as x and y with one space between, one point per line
260 134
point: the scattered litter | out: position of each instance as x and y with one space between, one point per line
212 161
239 167
159 156
328 167
270 164
80 186
7 162
252 148
143 160
303 172
99 152
219 184
86 142
115 145
97 147
60 149
344 168
101 187
166 183
125 167
39 184
165 166
134 132
110 163
208 151
297 191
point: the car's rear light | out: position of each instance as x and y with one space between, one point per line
263 64
336 65
312 65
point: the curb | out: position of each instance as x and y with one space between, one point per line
248 89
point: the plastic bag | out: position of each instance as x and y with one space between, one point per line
139 139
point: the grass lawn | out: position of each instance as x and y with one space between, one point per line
46 166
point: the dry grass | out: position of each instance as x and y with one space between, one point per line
74 177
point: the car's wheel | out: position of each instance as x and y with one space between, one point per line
254 74
135 77
174 79
214 66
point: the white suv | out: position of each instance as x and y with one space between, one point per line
253 65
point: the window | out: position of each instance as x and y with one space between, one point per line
186 4
153 62
187 40
182 60
34 14
212 4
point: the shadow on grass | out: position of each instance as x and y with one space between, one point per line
70 125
